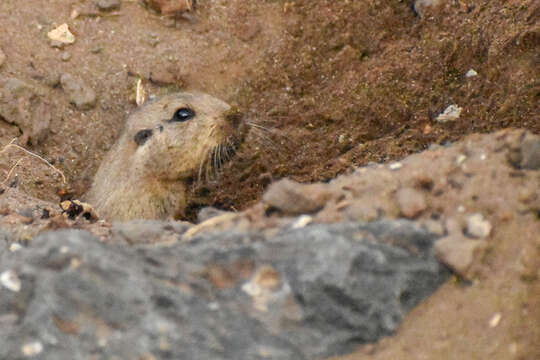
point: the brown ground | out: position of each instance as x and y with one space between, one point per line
337 83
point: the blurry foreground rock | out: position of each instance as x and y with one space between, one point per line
302 294
310 272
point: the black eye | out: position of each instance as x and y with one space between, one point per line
183 114
141 136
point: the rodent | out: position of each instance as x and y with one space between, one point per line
164 146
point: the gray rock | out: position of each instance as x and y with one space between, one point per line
80 94
148 231
108 5
530 153
308 293
525 152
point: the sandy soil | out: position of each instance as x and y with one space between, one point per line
337 84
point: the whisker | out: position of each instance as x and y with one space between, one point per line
220 162
216 164
258 126
264 137
208 166
199 176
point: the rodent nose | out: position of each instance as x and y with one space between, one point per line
235 118
142 136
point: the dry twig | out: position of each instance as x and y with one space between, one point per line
11 144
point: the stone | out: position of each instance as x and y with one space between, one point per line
451 113
434 226
66 56
22 105
411 202
148 231
10 280
422 7
171 7
2 58
471 73
524 151
458 252
108 5
62 35
32 349
530 153
307 293
478 226
80 94
294 198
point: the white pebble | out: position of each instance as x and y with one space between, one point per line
495 320
62 34
395 166
302 221
15 247
460 159
451 113
477 226
10 280
32 349
471 73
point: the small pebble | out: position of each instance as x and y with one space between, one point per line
302 221
2 57
108 5
471 73
434 226
32 349
66 56
411 202
451 113
74 14
477 226
530 152
80 94
15 247
291 197
458 252
10 280
395 166
495 320
62 35
460 159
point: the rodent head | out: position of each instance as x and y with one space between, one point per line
174 136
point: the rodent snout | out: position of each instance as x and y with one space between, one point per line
142 136
235 118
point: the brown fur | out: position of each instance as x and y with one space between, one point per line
149 180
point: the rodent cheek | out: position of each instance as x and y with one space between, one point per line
142 160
